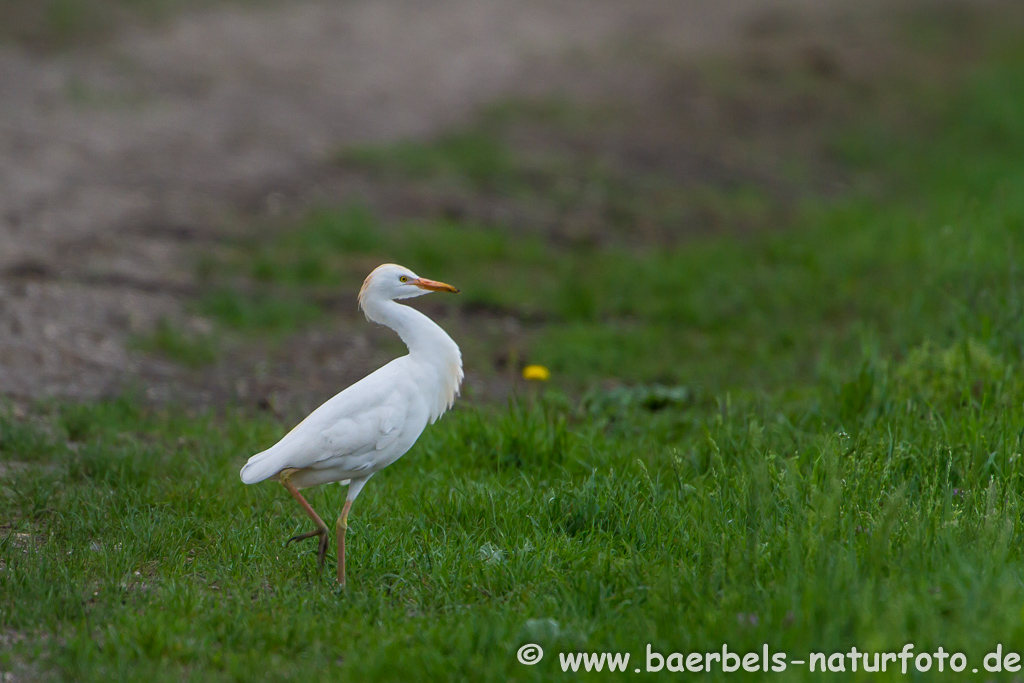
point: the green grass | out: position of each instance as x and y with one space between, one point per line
190 350
871 512
819 447
475 157
932 255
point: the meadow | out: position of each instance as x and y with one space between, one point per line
809 436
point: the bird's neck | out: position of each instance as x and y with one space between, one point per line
425 338
428 344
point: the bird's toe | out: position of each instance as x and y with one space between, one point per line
322 533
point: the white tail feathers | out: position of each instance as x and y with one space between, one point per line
260 467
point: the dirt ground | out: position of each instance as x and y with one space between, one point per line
119 162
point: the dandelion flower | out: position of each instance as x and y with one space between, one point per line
536 372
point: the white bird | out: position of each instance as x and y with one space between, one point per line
375 421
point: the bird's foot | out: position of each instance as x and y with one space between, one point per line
321 545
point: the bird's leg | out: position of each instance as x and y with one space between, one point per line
342 528
321 528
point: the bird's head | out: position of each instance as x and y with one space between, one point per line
390 282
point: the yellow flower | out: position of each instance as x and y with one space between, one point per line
537 372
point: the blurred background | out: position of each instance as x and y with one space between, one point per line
711 193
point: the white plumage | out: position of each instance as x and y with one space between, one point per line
375 421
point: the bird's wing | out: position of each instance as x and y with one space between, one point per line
391 420
366 417
371 430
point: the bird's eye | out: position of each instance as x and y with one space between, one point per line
403 279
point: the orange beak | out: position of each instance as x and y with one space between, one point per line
434 286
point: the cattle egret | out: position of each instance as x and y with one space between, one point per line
376 420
